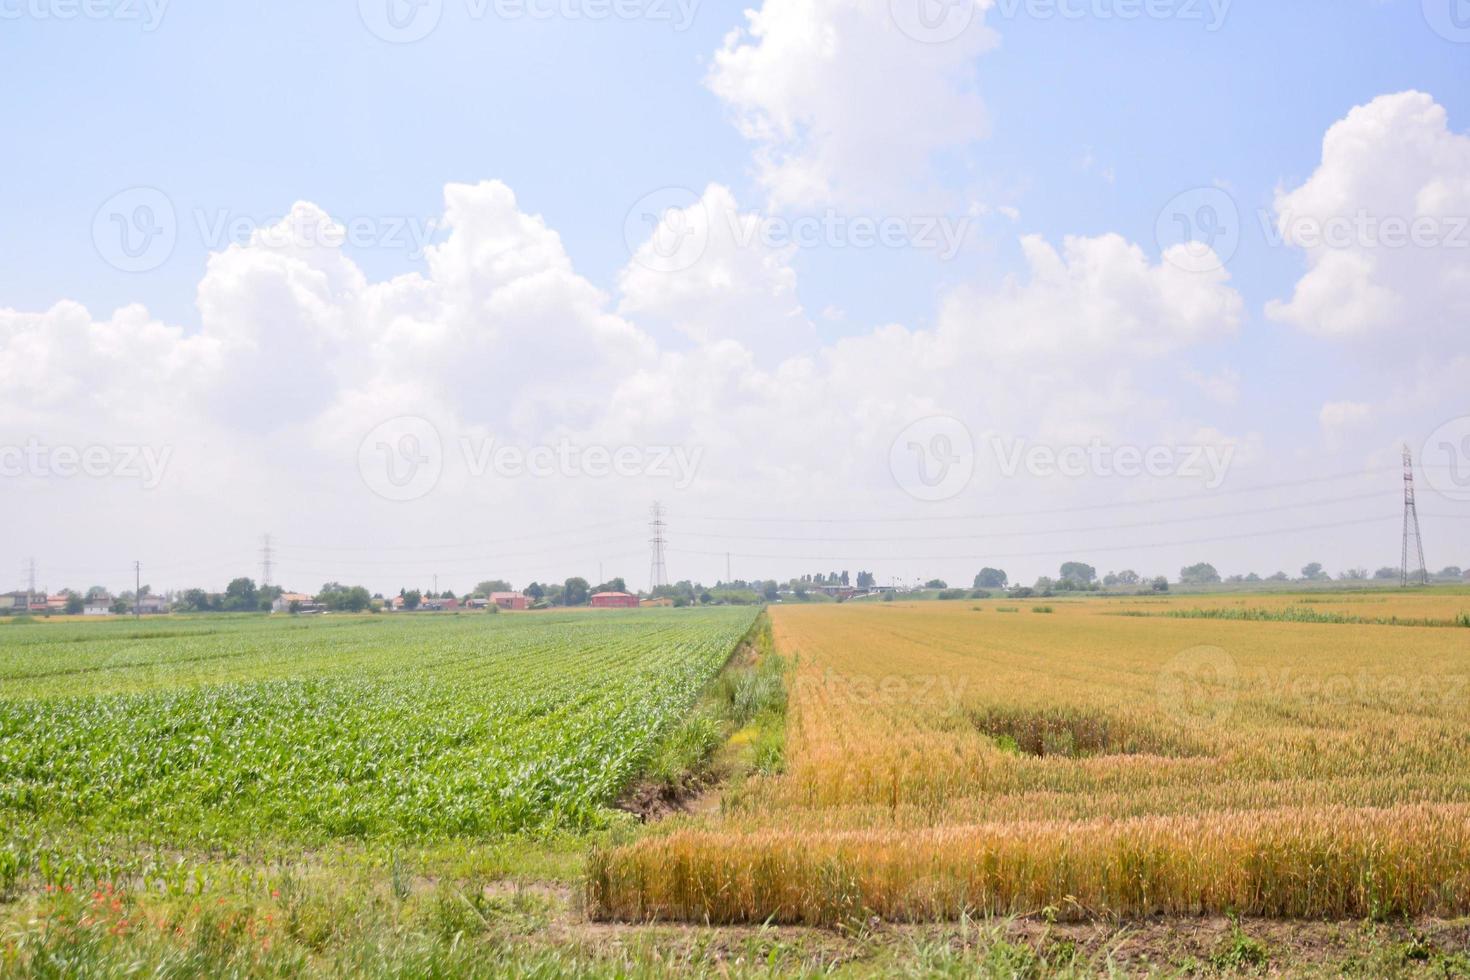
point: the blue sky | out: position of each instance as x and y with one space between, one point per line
1092 126
252 107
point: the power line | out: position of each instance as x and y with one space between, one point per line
468 559
329 570
1060 530
1052 554
625 522
1081 508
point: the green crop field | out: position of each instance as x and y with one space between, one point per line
222 729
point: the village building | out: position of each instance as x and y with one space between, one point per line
614 600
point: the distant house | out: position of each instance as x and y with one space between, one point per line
152 605
304 603
98 606
18 601
614 600
510 600
661 601
56 603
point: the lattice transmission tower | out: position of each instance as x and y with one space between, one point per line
1411 525
658 569
267 561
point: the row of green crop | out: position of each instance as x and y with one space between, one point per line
442 727
1305 614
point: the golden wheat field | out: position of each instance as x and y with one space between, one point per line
1102 758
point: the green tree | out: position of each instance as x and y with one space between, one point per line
493 585
1202 574
574 592
1314 572
1079 572
195 600
241 596
345 599
412 599
991 578
75 604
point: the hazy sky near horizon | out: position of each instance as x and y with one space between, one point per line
460 287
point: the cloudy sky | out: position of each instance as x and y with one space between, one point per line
460 287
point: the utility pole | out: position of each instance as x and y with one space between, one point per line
30 580
137 588
1411 520
436 585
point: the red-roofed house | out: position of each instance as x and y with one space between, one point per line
614 600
